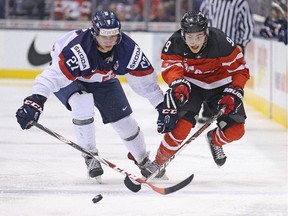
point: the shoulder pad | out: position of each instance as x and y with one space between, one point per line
219 43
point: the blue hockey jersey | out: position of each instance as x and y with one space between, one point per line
75 56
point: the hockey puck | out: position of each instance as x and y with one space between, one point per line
131 185
97 198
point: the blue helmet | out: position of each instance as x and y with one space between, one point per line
106 23
194 22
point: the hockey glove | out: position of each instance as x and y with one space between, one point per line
177 94
232 99
30 111
167 119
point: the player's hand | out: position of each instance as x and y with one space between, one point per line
232 99
167 119
177 94
30 111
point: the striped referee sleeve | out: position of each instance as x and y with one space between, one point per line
233 17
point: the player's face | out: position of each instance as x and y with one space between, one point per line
195 41
106 43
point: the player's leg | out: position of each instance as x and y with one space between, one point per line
229 128
115 109
81 104
188 114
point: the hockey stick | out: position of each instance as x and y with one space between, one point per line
181 148
134 187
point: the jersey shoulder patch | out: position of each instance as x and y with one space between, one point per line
81 56
74 56
131 54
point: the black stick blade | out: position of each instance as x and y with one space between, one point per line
161 190
179 186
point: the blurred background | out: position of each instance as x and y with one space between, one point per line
145 12
28 29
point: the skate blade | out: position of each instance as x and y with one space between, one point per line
98 179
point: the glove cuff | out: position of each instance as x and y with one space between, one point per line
36 101
179 82
236 91
159 106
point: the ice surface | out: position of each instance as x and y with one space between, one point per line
41 176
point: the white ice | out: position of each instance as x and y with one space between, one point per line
41 176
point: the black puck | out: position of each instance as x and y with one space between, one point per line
97 198
131 185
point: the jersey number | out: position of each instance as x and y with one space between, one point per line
230 41
167 46
144 62
71 62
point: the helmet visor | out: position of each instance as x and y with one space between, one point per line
109 32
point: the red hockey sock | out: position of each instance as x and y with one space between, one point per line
233 133
171 141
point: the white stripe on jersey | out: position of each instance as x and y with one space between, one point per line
212 85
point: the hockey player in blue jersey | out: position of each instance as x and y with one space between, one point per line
82 76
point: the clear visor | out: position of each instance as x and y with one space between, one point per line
109 32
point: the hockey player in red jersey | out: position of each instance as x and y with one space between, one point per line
82 75
201 63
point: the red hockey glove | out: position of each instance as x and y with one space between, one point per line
232 99
178 94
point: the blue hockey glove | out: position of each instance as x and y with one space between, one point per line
167 119
30 111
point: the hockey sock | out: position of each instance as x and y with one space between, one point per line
128 130
232 133
82 106
173 140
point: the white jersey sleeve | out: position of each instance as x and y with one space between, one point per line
52 78
146 86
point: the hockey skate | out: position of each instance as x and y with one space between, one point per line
217 152
147 167
94 168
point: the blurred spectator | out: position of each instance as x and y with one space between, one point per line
85 10
66 10
40 9
121 9
30 9
275 25
153 8
136 13
2 9
71 10
165 12
58 10
271 26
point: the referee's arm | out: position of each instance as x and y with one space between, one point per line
246 26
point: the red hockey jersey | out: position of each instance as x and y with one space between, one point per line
220 62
